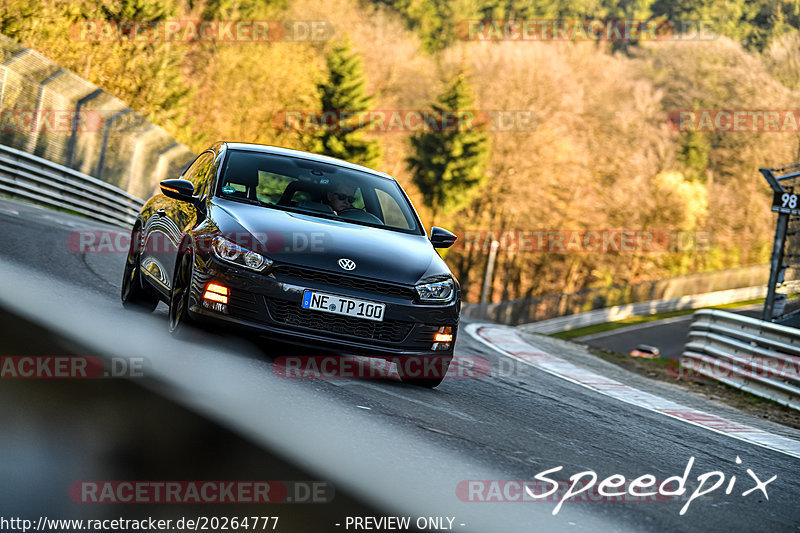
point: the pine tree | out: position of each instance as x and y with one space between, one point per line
344 95
449 166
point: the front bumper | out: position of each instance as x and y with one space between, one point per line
269 304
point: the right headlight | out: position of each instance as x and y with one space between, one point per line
436 292
233 253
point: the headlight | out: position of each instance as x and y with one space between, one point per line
438 292
233 253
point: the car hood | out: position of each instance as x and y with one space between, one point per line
306 240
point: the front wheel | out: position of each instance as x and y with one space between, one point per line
179 295
134 295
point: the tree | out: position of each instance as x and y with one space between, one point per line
344 95
693 149
449 165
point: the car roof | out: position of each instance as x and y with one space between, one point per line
267 149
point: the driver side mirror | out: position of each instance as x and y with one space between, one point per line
441 238
178 189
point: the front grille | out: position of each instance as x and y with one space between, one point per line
375 287
244 304
292 314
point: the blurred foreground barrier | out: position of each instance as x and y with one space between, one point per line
759 357
31 178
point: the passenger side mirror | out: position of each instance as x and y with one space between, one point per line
441 238
178 189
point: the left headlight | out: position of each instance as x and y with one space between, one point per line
437 292
233 253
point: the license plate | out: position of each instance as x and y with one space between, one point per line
340 305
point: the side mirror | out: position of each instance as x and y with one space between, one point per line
178 189
441 238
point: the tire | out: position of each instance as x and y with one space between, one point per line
134 295
431 381
179 295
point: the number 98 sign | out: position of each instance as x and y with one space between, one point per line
786 203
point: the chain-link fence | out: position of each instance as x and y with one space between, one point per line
50 112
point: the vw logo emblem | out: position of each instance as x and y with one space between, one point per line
347 264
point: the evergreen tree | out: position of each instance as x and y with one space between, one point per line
344 95
449 166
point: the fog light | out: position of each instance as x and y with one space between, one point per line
445 334
214 297
219 289
216 293
442 338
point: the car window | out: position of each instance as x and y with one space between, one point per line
199 173
392 213
320 189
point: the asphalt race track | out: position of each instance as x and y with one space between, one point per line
668 335
386 447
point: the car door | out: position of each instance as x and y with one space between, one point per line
171 219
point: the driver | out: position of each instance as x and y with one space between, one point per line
341 197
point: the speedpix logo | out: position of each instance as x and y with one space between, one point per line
586 487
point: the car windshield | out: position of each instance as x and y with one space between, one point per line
316 188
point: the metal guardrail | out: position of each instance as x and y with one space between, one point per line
43 182
759 357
